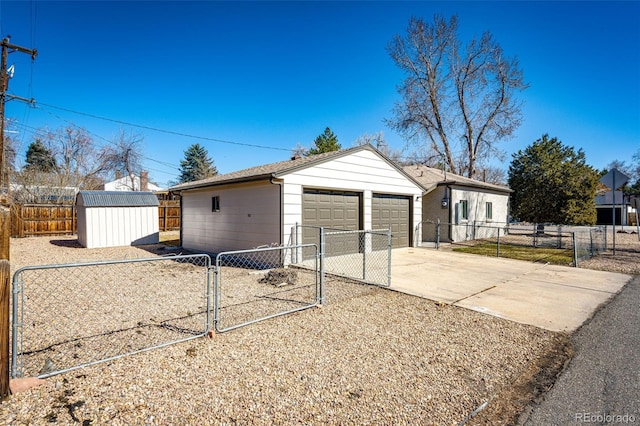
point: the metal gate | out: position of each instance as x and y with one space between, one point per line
74 315
254 285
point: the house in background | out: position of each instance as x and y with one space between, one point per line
624 209
132 183
356 188
466 208
41 194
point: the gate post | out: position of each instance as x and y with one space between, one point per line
389 247
322 248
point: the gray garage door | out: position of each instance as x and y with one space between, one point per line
330 209
392 212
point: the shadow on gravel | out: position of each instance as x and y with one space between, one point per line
66 243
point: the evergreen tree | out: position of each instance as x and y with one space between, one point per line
553 184
196 165
39 158
325 142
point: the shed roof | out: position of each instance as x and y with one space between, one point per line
430 178
116 199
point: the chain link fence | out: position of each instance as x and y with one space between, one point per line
70 316
254 285
362 255
575 243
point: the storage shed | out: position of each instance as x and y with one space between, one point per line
356 188
117 218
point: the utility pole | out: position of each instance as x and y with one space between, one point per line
7 48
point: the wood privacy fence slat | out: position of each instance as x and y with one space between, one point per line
169 215
61 219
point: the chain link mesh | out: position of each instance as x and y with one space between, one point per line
68 316
253 285
360 255
583 242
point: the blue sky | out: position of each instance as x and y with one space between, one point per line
275 74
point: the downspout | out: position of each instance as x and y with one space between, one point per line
280 184
450 218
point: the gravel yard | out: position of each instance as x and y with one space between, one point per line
368 356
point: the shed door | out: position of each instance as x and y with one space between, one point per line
392 212
330 209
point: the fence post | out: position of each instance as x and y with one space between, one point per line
389 247
363 241
575 249
498 244
322 247
5 228
5 285
559 236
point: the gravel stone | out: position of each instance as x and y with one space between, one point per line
368 356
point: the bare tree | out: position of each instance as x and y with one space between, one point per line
462 101
379 142
78 163
125 155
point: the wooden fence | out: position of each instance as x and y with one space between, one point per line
61 219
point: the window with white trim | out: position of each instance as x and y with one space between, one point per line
464 210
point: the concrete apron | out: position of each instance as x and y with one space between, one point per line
556 298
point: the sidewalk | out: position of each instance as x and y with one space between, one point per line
602 382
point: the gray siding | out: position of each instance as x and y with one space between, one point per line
249 217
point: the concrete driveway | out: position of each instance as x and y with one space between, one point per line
552 297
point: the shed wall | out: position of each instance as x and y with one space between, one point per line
117 226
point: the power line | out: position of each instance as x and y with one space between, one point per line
38 132
155 129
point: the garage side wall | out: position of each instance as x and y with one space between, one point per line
248 217
362 171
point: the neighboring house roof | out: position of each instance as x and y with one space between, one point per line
275 170
431 178
42 193
116 199
125 183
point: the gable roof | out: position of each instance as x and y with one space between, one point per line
281 168
116 199
431 178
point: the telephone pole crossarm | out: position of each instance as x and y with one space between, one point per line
14 47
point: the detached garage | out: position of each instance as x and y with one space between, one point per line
355 188
117 218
